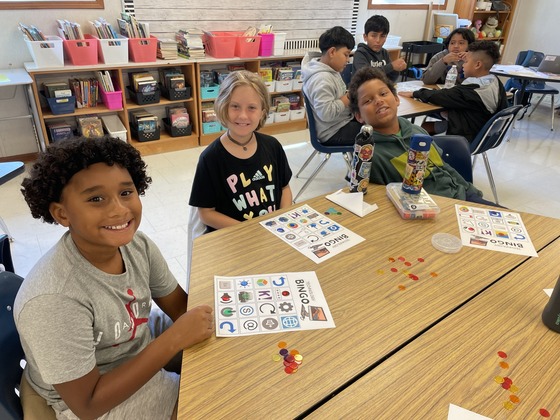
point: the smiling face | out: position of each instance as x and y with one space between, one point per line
378 106
245 111
101 207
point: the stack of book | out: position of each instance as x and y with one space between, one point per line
193 43
32 33
104 30
131 28
142 82
56 90
181 37
69 30
90 126
86 92
59 131
144 122
172 79
178 116
104 77
167 49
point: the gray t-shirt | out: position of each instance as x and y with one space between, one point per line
72 316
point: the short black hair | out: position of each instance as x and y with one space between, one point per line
377 23
467 35
337 37
62 160
490 52
360 77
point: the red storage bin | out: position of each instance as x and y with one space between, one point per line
142 50
231 44
81 52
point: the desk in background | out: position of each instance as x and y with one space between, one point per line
237 378
457 360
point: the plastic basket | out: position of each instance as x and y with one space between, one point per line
219 46
48 53
81 52
211 127
176 131
143 136
114 126
209 92
112 100
267 45
111 51
175 95
65 105
279 38
142 98
142 50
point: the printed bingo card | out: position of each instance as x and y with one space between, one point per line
312 233
496 230
269 303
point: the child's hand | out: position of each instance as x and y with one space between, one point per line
453 57
399 64
406 94
195 325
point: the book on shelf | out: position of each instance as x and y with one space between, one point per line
178 116
143 121
32 33
86 92
62 93
167 49
136 78
172 79
90 126
59 131
104 77
50 88
104 30
148 86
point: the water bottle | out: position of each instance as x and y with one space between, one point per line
362 160
451 77
551 313
416 163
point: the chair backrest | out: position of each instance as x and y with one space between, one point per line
315 142
494 131
347 73
527 58
10 348
456 153
5 253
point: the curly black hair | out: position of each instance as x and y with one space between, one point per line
62 160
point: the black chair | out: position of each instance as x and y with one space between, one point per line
456 153
10 348
532 58
6 254
320 148
491 136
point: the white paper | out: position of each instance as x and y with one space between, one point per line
459 413
353 202
548 292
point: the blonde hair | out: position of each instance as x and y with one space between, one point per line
234 80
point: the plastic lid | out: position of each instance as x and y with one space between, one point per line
446 242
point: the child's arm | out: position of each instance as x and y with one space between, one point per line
174 304
211 217
287 197
94 394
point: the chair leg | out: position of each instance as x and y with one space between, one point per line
313 175
490 177
348 159
552 112
309 159
535 107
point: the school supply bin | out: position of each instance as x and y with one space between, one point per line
112 100
111 51
142 50
231 44
47 53
176 131
81 52
267 45
279 38
66 105
114 126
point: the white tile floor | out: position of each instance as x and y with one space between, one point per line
526 169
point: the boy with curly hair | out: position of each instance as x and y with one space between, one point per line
83 312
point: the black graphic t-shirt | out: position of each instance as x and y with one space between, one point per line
241 188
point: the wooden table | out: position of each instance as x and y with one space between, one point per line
236 377
457 360
410 107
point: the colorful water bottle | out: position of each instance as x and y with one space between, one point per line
362 160
416 163
551 313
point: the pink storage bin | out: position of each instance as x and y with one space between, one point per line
81 52
142 50
267 45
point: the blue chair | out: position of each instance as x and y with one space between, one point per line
491 136
456 153
347 74
320 148
532 58
10 347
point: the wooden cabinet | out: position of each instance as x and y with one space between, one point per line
466 9
253 65
119 74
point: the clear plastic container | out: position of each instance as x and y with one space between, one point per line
412 206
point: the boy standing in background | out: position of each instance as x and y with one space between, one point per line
372 52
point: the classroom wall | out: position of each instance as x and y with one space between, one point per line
536 27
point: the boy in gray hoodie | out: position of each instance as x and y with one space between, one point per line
326 91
